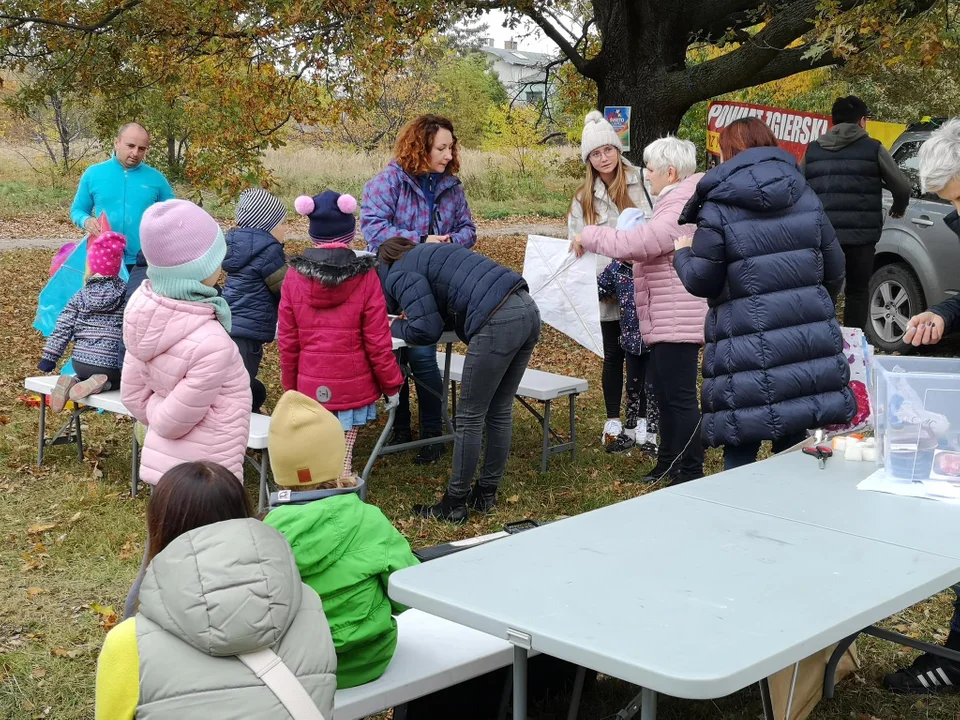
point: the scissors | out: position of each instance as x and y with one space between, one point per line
820 452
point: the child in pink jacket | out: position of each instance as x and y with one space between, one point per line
182 375
334 335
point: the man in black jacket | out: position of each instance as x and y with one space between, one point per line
849 170
939 173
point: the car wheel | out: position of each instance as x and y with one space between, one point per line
895 297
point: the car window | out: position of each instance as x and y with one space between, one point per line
907 158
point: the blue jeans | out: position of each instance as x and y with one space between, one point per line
426 374
735 456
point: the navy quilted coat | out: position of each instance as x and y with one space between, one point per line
767 260
255 266
443 286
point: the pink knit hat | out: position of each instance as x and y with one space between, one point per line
181 242
105 253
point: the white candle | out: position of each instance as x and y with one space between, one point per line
853 453
869 453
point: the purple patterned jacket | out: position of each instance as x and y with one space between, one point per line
394 206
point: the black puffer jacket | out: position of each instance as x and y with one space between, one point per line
767 260
442 286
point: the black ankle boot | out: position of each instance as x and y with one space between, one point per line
398 436
482 500
450 509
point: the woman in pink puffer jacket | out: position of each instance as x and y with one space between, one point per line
182 375
671 319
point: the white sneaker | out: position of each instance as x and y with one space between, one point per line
611 429
641 428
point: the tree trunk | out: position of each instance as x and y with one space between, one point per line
172 165
642 42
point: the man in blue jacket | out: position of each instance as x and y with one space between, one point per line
123 187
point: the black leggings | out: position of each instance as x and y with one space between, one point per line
84 371
614 358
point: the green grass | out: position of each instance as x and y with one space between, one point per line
27 197
72 537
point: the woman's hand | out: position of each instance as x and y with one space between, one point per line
438 238
924 329
683 242
576 246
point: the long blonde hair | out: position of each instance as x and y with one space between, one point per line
618 191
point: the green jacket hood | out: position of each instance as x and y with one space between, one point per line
227 588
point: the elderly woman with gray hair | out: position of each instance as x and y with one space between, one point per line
940 174
671 319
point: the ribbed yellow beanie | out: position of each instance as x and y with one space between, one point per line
306 443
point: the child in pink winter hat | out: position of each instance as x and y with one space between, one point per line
93 319
182 375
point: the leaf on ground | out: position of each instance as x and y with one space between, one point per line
75 517
38 673
101 609
108 618
4 420
63 652
40 528
32 592
126 552
513 500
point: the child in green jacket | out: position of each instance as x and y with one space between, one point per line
345 549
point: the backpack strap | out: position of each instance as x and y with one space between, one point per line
273 673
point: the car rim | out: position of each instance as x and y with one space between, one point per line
890 311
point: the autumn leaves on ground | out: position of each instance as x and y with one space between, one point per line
72 536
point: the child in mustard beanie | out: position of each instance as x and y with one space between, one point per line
345 549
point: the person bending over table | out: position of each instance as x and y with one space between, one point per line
418 196
439 286
940 174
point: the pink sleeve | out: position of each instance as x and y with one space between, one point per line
134 392
179 412
642 243
377 340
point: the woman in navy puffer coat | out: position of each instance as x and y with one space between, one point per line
767 260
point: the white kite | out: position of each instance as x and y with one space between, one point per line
565 288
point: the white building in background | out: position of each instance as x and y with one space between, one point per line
522 73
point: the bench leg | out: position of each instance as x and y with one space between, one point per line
546 437
766 700
134 463
577 693
43 430
573 425
375 453
400 712
264 461
444 403
76 420
830 673
519 683
453 401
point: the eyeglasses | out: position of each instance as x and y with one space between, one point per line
605 151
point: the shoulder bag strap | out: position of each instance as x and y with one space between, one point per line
273 673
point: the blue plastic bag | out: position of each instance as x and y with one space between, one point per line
65 283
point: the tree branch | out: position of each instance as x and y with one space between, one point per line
18 21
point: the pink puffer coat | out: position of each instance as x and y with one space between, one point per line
667 312
183 378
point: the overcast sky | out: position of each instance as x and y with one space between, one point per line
536 42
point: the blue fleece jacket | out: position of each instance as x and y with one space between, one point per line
123 194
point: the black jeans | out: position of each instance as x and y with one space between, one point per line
426 374
735 456
636 389
673 367
83 371
613 358
138 273
251 352
859 268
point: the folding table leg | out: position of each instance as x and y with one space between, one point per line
76 420
577 693
830 673
648 705
264 461
376 452
546 437
767 702
43 429
573 425
444 403
519 683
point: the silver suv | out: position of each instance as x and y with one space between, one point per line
918 257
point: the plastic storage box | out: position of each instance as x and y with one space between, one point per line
916 403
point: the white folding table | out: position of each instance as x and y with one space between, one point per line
685 595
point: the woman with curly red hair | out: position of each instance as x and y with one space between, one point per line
418 196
